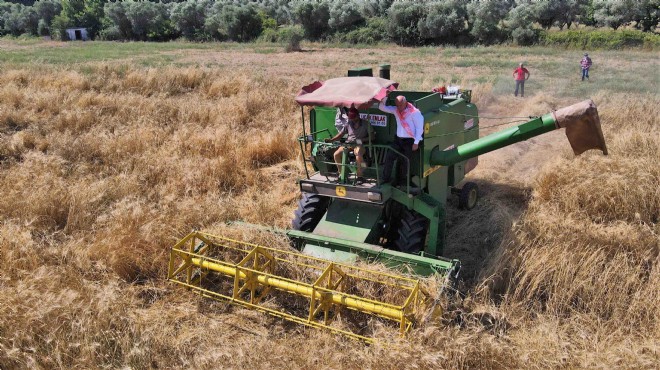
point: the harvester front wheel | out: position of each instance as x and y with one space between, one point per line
412 232
311 209
468 196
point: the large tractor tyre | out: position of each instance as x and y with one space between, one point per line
311 209
468 196
412 232
391 227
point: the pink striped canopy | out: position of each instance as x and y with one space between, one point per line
346 92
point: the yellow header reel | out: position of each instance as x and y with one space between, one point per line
293 286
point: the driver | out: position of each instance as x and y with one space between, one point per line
358 132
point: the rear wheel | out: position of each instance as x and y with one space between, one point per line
412 232
311 209
468 196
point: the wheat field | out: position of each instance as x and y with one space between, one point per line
110 153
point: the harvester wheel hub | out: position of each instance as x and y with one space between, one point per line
467 199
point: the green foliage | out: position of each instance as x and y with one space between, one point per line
47 10
213 24
375 8
117 19
234 22
485 19
73 10
84 13
444 22
188 17
525 36
269 35
12 20
42 28
5 9
457 22
374 32
241 23
17 19
92 16
267 22
601 39
345 16
573 11
111 33
279 10
403 19
291 36
648 18
58 27
521 24
314 18
615 13
139 20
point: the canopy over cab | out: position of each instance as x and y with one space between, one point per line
360 92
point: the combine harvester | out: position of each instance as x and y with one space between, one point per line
340 219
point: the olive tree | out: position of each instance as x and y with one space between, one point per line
403 23
520 23
345 16
314 18
445 22
188 17
615 13
115 13
485 19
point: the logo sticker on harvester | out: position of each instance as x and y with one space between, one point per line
379 120
427 128
468 124
340 191
435 168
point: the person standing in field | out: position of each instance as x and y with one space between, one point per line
520 74
585 63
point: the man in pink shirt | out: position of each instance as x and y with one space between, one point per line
520 74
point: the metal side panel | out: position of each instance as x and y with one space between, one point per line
329 253
341 250
349 220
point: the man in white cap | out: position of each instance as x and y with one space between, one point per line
585 63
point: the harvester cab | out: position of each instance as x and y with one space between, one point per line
341 217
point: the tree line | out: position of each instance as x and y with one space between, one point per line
458 22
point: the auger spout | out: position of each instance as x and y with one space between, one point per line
580 120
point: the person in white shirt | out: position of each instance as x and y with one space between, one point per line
409 130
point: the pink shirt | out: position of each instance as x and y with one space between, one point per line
520 73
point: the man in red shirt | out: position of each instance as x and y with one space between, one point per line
521 74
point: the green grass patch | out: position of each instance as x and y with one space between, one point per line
601 39
94 51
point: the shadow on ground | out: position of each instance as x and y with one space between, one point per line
473 234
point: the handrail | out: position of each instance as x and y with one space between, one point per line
371 147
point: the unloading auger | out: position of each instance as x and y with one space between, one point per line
340 219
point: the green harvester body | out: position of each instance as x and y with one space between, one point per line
341 219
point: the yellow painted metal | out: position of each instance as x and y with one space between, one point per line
255 275
311 291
